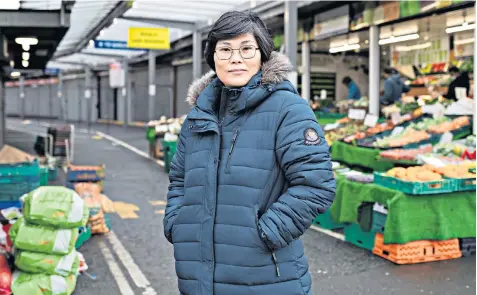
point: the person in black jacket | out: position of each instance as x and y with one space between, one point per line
459 79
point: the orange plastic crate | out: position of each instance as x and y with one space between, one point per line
417 251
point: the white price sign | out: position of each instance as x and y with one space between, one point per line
356 114
396 118
370 120
446 138
397 131
437 110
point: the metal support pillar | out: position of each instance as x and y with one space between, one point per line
61 99
374 70
2 113
126 92
305 67
21 93
88 94
475 75
291 28
197 55
152 84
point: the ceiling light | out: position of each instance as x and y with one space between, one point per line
366 41
402 38
464 27
10 5
464 41
15 74
25 63
414 47
25 56
26 40
91 43
346 47
101 33
26 47
12 64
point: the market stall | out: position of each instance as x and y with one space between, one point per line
162 138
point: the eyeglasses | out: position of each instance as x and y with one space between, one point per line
246 52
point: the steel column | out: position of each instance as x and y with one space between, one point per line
152 84
2 113
305 67
291 28
22 97
374 70
197 55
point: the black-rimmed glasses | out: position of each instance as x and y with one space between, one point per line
245 51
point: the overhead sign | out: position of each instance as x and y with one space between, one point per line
113 44
149 38
52 71
333 22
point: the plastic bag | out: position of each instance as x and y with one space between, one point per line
25 283
55 206
5 276
50 264
42 239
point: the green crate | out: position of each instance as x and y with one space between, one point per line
43 176
415 188
169 152
324 221
356 236
84 235
52 174
20 169
465 184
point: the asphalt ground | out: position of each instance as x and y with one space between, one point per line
136 259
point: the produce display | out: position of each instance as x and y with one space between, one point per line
450 125
428 172
26 283
48 263
408 136
409 155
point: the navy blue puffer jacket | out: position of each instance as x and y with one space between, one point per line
248 178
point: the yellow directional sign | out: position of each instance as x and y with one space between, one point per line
149 38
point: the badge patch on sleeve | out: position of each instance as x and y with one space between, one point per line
311 137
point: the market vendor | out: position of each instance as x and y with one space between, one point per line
353 89
393 87
459 79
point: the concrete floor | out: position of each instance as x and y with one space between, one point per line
337 267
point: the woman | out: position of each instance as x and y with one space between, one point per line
251 172
353 89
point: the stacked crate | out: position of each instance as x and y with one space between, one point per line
84 174
16 180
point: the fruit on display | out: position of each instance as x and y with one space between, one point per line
342 132
459 171
450 125
428 122
408 155
414 174
408 136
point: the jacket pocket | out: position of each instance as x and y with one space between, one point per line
231 150
261 236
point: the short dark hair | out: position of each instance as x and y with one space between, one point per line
454 70
346 80
235 23
389 71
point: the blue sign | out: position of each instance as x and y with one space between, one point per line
52 71
113 44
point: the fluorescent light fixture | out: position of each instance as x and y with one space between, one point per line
12 64
10 5
464 27
15 74
413 47
91 43
26 47
25 56
402 38
25 63
26 40
346 47
464 41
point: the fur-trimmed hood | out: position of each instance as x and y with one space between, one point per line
274 71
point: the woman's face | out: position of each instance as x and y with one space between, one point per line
236 71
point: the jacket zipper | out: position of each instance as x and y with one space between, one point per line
231 150
274 257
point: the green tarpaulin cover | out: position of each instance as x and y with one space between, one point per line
354 155
33 262
33 284
410 217
55 206
42 239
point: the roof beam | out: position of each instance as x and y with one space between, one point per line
162 22
107 55
33 19
120 8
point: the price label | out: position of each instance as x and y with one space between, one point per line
329 127
396 131
446 138
370 120
396 118
356 114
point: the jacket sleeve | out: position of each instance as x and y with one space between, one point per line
305 160
388 90
176 187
